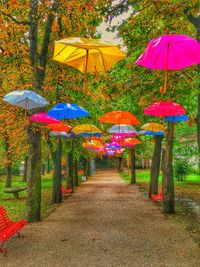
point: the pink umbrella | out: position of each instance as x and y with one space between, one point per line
119 137
164 109
170 52
43 118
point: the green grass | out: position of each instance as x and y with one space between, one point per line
17 207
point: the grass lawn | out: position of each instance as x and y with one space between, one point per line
16 208
190 188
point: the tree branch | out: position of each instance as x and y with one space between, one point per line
23 22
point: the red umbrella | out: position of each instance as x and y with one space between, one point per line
164 109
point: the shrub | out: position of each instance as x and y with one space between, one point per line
181 170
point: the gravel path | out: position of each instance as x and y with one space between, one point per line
105 223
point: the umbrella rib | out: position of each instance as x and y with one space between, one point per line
102 59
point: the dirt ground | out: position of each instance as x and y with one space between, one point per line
105 223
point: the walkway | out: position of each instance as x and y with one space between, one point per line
106 223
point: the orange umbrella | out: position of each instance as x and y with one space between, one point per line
131 142
58 127
119 117
95 139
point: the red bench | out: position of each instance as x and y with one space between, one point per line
66 190
158 197
8 228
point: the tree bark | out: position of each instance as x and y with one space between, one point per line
57 174
76 172
48 164
71 171
9 176
196 23
34 174
168 179
155 165
133 174
25 169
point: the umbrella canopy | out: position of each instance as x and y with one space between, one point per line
43 118
99 139
164 109
122 128
84 128
178 118
131 141
89 134
92 144
119 117
63 134
25 99
87 55
119 137
144 132
59 127
112 145
153 126
170 52
65 111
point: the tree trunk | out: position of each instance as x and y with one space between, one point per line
76 172
57 174
133 175
155 165
25 169
88 167
196 23
67 170
168 179
8 176
48 164
34 174
70 167
43 169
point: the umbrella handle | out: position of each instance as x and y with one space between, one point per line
164 89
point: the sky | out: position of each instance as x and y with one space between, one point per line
111 36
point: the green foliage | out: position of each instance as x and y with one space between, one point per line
181 170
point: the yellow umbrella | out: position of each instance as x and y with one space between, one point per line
92 144
87 55
85 128
153 126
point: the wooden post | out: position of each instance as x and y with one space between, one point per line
168 179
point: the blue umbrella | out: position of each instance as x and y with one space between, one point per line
143 132
25 99
88 134
178 118
66 111
122 128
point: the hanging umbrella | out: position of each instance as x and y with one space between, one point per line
25 99
85 128
122 128
119 117
131 141
89 134
178 118
99 139
62 134
91 144
170 52
119 137
164 109
59 127
112 145
65 111
144 132
87 55
43 118
153 127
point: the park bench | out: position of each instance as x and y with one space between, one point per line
14 190
157 197
8 228
66 190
